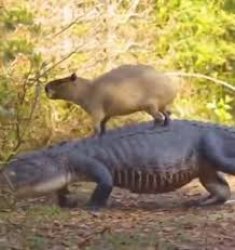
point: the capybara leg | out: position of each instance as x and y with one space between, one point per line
154 112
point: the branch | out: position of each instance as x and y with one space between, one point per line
197 75
21 101
57 63
84 46
79 19
131 11
6 113
20 135
66 27
33 108
131 45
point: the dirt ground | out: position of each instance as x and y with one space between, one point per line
131 221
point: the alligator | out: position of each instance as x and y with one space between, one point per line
140 157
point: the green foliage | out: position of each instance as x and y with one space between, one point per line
198 36
19 62
13 17
12 48
221 109
37 45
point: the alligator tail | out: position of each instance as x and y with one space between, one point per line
220 151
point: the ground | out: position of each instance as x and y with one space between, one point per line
150 222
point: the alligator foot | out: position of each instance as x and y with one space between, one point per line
211 200
208 200
94 207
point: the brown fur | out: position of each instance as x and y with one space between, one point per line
121 91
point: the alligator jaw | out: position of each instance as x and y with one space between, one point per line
7 185
53 184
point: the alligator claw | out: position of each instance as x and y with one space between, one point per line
94 207
209 200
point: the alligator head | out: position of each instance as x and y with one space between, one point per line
33 175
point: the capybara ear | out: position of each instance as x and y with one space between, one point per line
73 77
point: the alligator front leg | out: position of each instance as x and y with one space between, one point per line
95 171
99 197
103 189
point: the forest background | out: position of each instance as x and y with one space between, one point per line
41 40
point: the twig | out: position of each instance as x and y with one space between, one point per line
60 61
36 100
131 11
197 75
78 19
57 63
20 136
67 27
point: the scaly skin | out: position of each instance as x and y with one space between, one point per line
141 158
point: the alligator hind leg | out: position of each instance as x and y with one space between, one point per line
216 185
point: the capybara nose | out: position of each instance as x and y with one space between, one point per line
46 89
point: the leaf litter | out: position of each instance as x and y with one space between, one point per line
131 221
